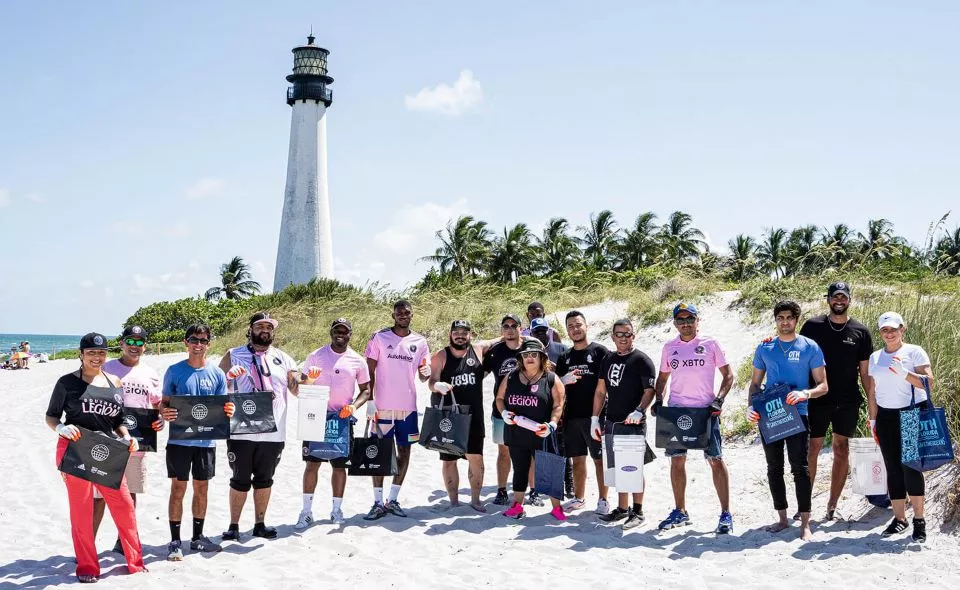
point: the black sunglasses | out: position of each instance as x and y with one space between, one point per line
623 334
195 340
134 342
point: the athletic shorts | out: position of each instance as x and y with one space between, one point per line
402 425
714 448
474 442
844 419
253 463
184 461
497 428
341 463
136 474
577 441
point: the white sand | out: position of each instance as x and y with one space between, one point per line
462 549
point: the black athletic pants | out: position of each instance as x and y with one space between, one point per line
521 458
901 480
797 446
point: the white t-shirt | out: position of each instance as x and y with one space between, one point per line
894 392
277 363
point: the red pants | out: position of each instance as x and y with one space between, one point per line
80 495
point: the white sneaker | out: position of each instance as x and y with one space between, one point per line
575 504
305 520
602 508
337 516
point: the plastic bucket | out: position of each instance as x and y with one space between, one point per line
867 470
312 412
628 456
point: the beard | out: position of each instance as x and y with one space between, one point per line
262 339
456 346
839 308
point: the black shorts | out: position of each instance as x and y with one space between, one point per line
183 460
341 463
843 418
577 442
253 463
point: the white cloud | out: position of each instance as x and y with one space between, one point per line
193 265
7 199
87 283
168 284
4 198
177 231
206 188
465 94
417 225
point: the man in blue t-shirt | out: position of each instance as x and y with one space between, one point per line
194 376
789 359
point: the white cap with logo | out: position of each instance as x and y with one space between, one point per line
890 319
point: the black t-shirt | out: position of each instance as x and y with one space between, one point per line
465 374
89 406
501 360
579 396
533 401
844 346
626 377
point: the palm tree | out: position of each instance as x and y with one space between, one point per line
557 250
837 244
879 240
236 282
743 257
600 240
639 247
946 255
680 240
803 253
513 254
772 252
464 247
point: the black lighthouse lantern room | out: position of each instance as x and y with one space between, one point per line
309 78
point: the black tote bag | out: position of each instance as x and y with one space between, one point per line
683 428
139 423
253 413
446 428
97 458
373 455
199 417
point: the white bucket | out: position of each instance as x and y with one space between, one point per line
867 470
312 413
628 456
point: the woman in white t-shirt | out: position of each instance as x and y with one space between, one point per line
896 375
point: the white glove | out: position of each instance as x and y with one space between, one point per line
752 415
68 431
570 378
371 410
132 443
236 371
873 430
425 370
545 429
507 417
635 417
442 388
896 367
795 397
595 431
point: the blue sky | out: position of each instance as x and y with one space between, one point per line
144 144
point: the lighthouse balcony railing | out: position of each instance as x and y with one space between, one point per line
310 93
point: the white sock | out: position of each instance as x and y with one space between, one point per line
337 502
394 492
307 502
378 495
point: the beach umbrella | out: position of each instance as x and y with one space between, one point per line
19 355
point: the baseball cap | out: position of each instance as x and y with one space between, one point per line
93 341
539 324
460 324
531 345
511 316
687 307
262 316
342 322
838 287
135 332
890 319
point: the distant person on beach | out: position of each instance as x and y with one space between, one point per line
846 346
533 395
535 310
789 359
257 366
194 376
25 359
92 399
343 370
690 363
897 374
141 389
396 358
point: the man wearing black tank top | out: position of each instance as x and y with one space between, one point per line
457 373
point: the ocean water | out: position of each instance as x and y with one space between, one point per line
38 342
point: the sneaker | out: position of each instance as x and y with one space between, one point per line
534 499
377 511
336 517
174 553
919 530
305 520
557 513
117 547
725 526
393 507
231 534
87 578
575 504
897 526
204 545
603 508
263 531
797 516
634 520
501 499
677 518
515 511
615 515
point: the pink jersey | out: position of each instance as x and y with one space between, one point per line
340 372
141 384
693 368
398 360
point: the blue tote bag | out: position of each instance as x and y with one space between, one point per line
336 441
778 419
548 469
924 438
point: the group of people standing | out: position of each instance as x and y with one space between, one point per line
542 388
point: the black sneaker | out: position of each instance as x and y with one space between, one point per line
264 531
204 545
615 515
117 547
919 530
896 527
501 499
634 520
231 534
534 499
393 507
377 511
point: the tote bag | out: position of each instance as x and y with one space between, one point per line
373 455
139 423
683 428
97 458
778 419
924 437
446 428
199 417
548 469
253 413
336 441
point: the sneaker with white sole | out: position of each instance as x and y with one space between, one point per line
603 508
305 520
174 552
575 504
204 545
336 517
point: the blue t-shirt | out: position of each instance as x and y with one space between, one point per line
789 362
182 379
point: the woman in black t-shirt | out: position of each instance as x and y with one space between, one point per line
531 393
91 399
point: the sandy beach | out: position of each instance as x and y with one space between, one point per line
460 548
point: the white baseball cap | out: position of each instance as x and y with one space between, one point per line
890 319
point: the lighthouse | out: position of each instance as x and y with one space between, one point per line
305 250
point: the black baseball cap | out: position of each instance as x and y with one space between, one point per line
460 324
342 322
838 287
134 332
511 316
262 316
93 341
531 345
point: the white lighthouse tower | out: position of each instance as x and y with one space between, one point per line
306 245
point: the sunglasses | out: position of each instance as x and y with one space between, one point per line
685 321
195 340
623 334
134 342
510 326
529 354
